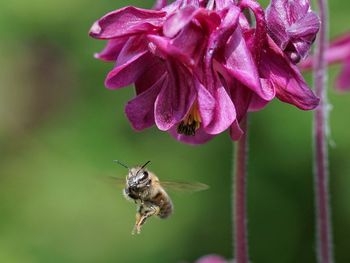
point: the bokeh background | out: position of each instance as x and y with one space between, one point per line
60 129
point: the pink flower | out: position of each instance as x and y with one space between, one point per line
211 259
278 76
197 67
176 89
337 52
293 26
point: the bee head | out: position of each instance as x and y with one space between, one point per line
138 178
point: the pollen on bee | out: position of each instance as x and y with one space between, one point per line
191 123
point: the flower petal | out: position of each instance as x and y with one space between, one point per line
303 33
343 80
307 25
240 64
127 21
176 97
112 49
129 72
292 24
150 76
199 138
178 20
184 47
235 131
159 4
206 104
285 77
277 21
241 97
133 60
140 110
224 112
211 259
338 51
257 103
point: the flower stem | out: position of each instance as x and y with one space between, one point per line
321 173
239 190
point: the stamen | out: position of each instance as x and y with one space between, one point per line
191 123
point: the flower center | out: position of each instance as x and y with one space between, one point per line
191 123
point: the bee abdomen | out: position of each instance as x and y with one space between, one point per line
166 209
163 201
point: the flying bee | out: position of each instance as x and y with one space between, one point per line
145 189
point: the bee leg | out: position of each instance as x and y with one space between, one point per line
137 227
141 216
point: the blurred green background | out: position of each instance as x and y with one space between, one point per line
60 129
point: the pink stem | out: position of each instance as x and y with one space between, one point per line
240 214
321 176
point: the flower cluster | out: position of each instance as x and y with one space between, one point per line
198 66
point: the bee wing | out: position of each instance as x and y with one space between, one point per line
119 181
186 187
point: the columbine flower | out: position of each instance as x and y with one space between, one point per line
177 84
293 26
211 259
197 67
278 76
337 52
225 65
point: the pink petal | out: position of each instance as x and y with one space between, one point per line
260 33
344 39
150 76
133 60
257 103
112 49
224 112
199 138
218 38
211 259
207 20
241 66
206 104
235 131
338 51
285 77
129 72
165 49
178 20
140 110
176 97
131 48
277 21
308 24
127 21
343 80
241 97
159 4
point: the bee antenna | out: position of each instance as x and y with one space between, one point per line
120 163
143 166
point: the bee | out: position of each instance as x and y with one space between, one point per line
144 188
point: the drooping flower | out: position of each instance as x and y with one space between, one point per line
293 26
176 89
278 76
211 259
197 67
338 52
